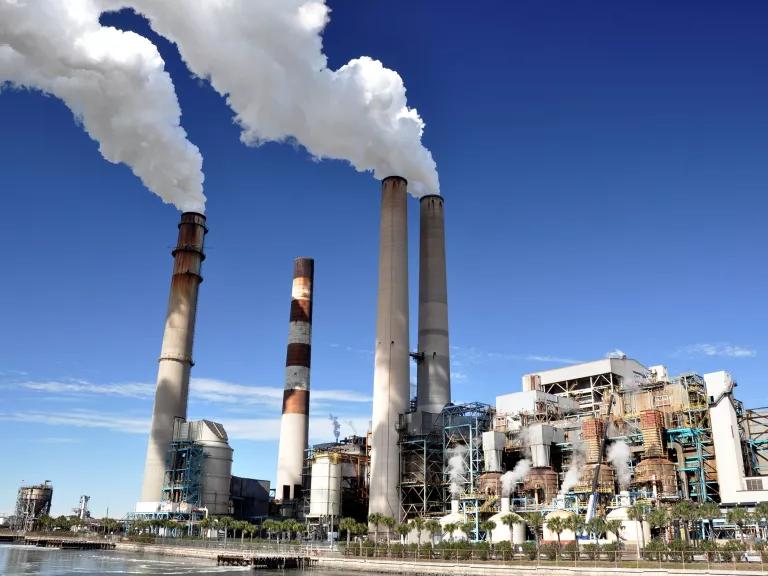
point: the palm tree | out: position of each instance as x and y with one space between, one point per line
738 516
510 520
449 528
271 526
637 512
434 528
557 525
709 511
761 517
349 525
614 526
488 527
596 526
682 512
375 520
535 521
659 518
418 525
389 523
226 523
575 524
205 524
403 530
468 528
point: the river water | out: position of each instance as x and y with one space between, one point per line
25 560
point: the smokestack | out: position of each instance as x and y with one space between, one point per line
434 370
294 425
176 355
391 386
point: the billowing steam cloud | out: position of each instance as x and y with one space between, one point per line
266 58
114 83
619 455
457 467
512 477
573 475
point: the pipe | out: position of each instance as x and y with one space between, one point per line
433 375
176 362
391 386
294 424
680 470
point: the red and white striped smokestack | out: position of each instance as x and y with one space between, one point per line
391 386
433 375
173 372
294 425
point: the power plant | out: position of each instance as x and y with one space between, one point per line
587 439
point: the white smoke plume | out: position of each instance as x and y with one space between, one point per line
512 477
266 58
457 468
573 474
619 455
114 83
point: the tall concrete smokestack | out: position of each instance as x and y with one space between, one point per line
434 370
391 386
294 425
176 355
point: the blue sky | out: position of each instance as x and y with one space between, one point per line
605 179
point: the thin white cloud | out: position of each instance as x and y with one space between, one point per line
465 355
81 419
253 429
205 389
720 349
80 387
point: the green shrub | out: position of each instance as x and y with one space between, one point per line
731 551
611 550
592 550
656 549
572 551
529 549
549 550
680 550
710 550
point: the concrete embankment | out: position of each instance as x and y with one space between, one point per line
439 568
491 569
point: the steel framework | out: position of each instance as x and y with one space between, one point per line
421 475
183 473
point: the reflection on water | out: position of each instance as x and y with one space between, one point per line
17 560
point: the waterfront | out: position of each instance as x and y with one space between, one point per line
26 560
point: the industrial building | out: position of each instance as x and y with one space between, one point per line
550 448
590 438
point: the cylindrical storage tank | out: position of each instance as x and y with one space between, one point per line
217 468
36 500
325 486
565 535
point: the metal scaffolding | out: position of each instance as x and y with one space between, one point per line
421 476
182 482
589 391
463 426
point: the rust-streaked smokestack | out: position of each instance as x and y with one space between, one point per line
294 425
176 356
433 376
391 386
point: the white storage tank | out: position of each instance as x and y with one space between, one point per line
630 532
325 486
217 464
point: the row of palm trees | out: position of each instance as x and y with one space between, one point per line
686 515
